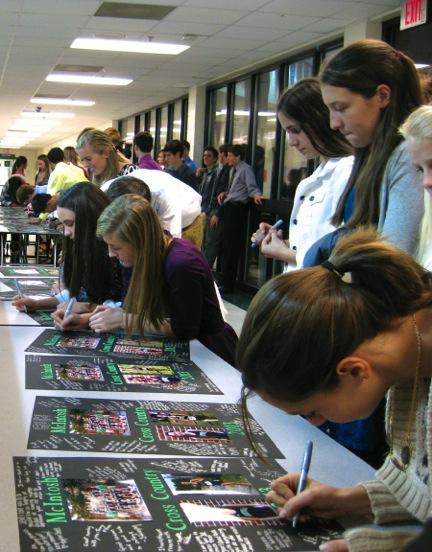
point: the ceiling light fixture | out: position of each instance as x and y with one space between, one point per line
47 114
62 101
131 46
87 79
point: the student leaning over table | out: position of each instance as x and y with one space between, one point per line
328 343
171 289
88 272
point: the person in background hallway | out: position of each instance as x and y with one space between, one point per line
161 158
175 165
64 175
19 168
99 157
242 187
43 170
210 207
115 138
71 157
187 160
142 146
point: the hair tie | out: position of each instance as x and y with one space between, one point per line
344 276
400 55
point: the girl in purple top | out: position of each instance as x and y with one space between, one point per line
171 289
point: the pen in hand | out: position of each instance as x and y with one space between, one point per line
69 307
20 295
275 226
303 476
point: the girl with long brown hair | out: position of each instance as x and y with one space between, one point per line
170 288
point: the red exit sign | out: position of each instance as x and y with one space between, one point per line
414 12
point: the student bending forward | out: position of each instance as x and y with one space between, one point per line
169 284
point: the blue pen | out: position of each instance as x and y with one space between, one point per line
20 295
303 476
69 307
275 226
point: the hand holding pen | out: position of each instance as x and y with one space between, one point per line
20 294
261 233
69 307
307 457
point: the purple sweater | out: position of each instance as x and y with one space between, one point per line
147 162
191 300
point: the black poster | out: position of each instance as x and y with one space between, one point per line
115 345
154 505
42 317
29 271
144 427
105 374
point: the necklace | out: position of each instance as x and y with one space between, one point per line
406 449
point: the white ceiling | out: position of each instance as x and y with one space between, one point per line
35 36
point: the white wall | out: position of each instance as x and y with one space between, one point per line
31 155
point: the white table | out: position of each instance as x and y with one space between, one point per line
10 316
332 463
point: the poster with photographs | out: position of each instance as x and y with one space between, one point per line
144 427
42 318
158 505
27 286
29 271
83 373
115 345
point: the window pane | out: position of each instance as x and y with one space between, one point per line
176 131
263 166
241 112
266 130
219 116
152 127
294 163
300 70
163 125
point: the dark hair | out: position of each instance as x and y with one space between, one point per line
213 150
10 190
143 141
24 193
237 150
426 84
128 185
174 146
224 148
86 261
39 203
300 325
303 102
186 144
20 161
361 68
55 155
